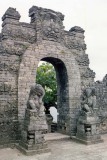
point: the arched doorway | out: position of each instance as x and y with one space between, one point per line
68 80
62 93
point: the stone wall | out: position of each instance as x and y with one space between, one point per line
8 96
101 92
74 40
22 46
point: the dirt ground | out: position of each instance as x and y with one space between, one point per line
62 148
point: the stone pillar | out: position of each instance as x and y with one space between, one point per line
88 129
10 19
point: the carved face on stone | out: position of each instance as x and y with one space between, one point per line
51 32
37 90
51 27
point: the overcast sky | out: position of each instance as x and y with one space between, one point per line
91 15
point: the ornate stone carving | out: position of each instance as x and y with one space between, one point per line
35 99
11 13
74 39
51 23
52 28
51 32
88 100
83 60
77 29
16 30
88 74
35 116
14 48
75 45
35 12
105 80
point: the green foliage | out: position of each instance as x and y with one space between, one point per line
46 76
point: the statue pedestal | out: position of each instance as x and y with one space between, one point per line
88 129
32 140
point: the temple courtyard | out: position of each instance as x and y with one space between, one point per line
62 148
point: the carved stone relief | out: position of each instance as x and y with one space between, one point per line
88 74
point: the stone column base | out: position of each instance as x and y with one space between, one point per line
87 142
37 150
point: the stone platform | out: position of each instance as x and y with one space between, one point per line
85 141
62 149
44 149
55 137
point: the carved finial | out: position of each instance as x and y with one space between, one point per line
35 12
76 29
11 13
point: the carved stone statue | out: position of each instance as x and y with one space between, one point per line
88 122
34 123
35 114
35 99
88 100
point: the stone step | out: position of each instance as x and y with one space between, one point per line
55 136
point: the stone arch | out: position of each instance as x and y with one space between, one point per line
60 57
62 90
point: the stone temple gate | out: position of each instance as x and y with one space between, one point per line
22 47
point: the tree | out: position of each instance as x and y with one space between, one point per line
46 76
